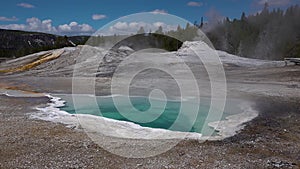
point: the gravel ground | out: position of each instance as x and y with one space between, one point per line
272 140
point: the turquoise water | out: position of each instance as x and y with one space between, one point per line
86 105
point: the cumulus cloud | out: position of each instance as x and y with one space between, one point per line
3 18
32 24
26 5
120 26
193 3
14 26
126 28
159 11
75 28
98 16
35 24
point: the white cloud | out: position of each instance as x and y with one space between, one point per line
35 24
64 28
133 25
158 24
75 28
73 24
86 28
3 18
121 25
275 2
193 3
98 16
26 5
159 11
14 26
126 28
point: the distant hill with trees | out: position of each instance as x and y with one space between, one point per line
269 34
16 43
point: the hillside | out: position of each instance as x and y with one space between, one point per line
16 43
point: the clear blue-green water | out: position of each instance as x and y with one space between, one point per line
86 105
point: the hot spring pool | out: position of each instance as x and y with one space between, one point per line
86 105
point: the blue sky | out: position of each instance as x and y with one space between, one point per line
73 17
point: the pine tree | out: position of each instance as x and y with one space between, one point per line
159 30
141 30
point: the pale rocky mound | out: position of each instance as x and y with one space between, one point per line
96 61
190 50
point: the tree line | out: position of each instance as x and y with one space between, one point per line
270 34
168 40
